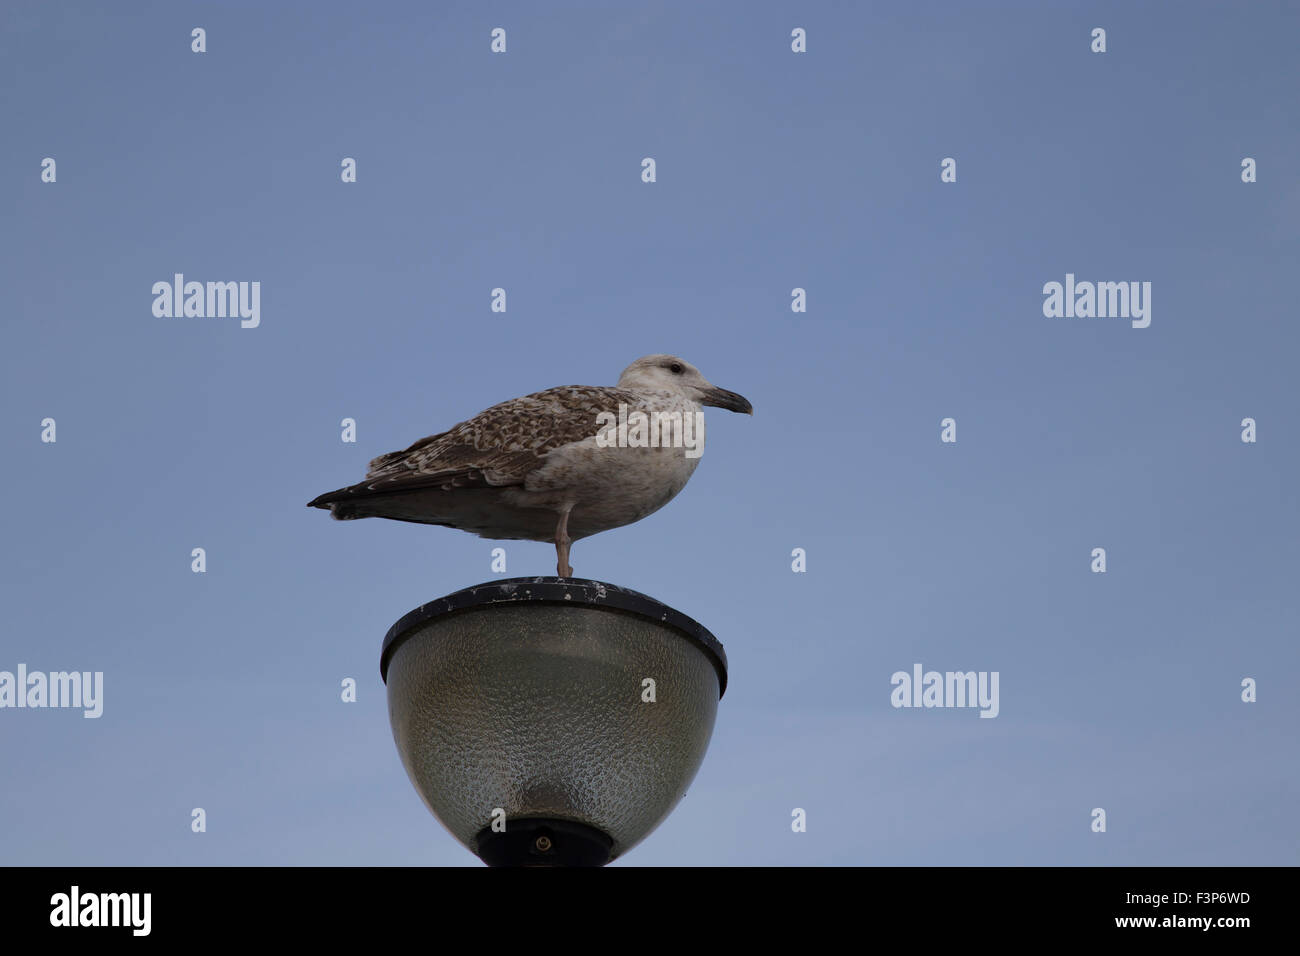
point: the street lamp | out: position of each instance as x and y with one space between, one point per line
551 721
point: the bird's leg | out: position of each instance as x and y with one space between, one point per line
562 542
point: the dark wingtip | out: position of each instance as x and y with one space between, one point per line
327 499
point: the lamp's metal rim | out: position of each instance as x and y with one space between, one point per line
553 590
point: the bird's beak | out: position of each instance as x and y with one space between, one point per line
721 398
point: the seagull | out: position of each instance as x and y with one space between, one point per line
558 465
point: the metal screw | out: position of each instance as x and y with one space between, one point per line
543 843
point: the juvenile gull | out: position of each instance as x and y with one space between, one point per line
549 466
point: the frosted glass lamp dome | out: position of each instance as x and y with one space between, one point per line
528 701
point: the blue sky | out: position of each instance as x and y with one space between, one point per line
775 170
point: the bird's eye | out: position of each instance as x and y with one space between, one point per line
675 368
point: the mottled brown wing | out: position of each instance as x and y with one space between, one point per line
496 448
380 464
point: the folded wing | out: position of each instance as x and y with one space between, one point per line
497 448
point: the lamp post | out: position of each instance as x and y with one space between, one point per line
551 721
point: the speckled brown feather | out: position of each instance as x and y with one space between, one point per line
496 448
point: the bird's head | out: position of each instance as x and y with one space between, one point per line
672 374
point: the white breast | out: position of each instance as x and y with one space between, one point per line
617 482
